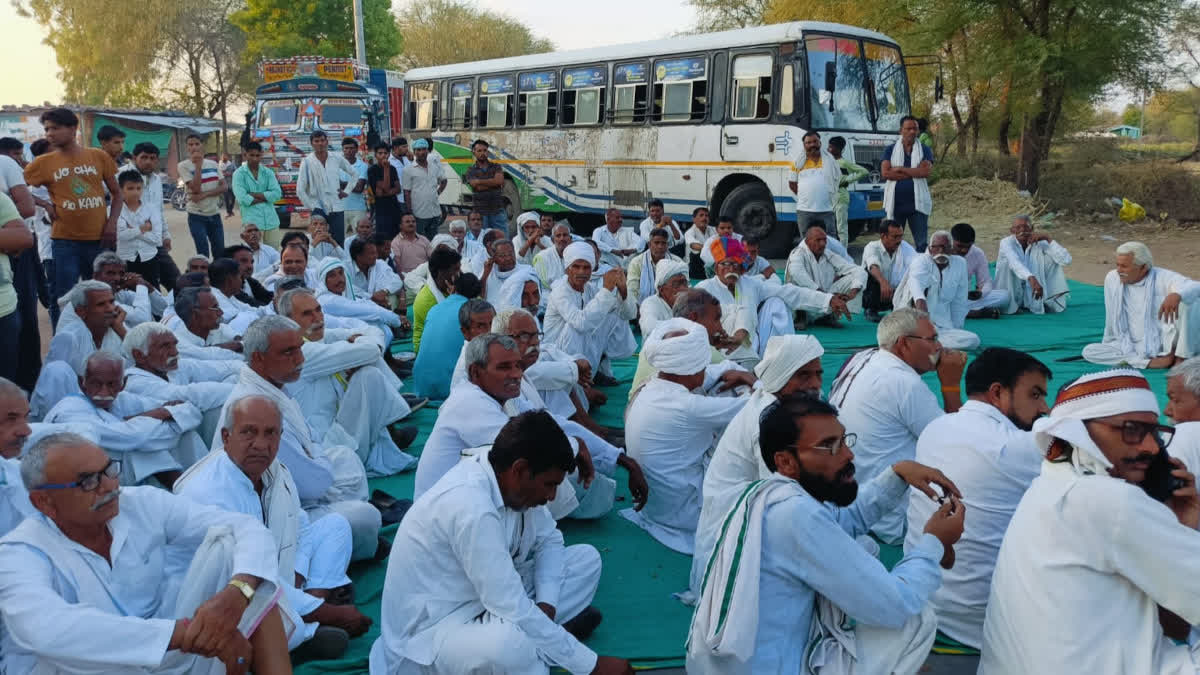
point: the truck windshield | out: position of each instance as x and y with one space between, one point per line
279 114
341 113
857 84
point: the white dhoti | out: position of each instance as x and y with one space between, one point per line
773 319
997 297
596 500
487 644
370 404
878 650
347 496
1176 339
323 552
1042 260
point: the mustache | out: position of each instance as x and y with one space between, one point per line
531 349
1141 457
103 501
846 472
107 399
731 275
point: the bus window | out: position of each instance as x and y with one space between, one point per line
629 93
680 89
422 103
583 95
886 71
538 99
845 107
786 91
495 101
752 87
460 105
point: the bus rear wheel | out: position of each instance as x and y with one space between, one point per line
753 213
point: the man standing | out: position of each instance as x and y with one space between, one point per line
62 614
984 300
1105 536
810 265
76 178
486 180
1151 314
318 184
354 204
640 277
787 573
15 237
423 182
815 184
882 399
657 219
257 189
205 188
851 172
400 158
617 244
463 594
227 168
906 167
937 283
1030 267
886 260
384 179
987 450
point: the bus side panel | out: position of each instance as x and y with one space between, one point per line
581 178
677 172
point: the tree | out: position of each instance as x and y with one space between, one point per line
714 15
1185 41
282 28
438 32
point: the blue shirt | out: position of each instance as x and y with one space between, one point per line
906 201
355 201
441 343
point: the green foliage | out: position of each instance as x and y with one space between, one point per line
439 32
282 28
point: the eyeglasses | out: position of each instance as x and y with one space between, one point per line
919 337
526 337
88 482
846 441
1134 432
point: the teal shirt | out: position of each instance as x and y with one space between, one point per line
245 184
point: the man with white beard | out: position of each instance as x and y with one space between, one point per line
937 283
670 430
1151 314
152 439
348 394
329 478
582 318
1030 267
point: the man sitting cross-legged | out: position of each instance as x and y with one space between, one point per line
937 283
329 478
640 278
987 450
618 244
984 301
84 585
588 319
225 278
198 328
787 574
151 438
341 298
1030 267
479 580
670 430
886 260
811 266
348 394
96 323
670 279
549 263
1183 407
247 478
1151 314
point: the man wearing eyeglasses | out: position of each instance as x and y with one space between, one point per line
787 573
987 450
881 397
85 584
1104 538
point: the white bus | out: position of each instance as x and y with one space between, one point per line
704 120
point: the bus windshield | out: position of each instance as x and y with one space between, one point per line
842 77
341 113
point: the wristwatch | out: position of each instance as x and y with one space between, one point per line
244 587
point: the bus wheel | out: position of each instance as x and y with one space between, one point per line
512 206
753 213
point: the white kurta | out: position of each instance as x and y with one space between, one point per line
67 610
140 305
355 411
624 238
893 266
555 375
453 605
992 462
378 277
543 244
653 310
14 498
1131 317
830 273
144 445
496 279
1044 260
549 267
1186 445
590 323
73 342
770 319
264 258
639 279
237 314
670 432
204 384
474 255
193 346
329 478
1094 551
883 400
693 235
945 294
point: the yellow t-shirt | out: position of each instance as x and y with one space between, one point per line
76 185
811 164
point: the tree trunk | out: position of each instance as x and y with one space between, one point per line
1005 119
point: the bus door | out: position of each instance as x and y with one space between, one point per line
747 134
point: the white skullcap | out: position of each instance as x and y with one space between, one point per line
785 354
667 268
580 250
444 239
526 217
680 355
1103 394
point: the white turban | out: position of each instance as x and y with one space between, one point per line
324 268
512 288
580 250
526 217
1103 394
667 268
785 354
446 239
680 355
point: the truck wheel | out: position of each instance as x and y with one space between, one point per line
512 206
753 213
